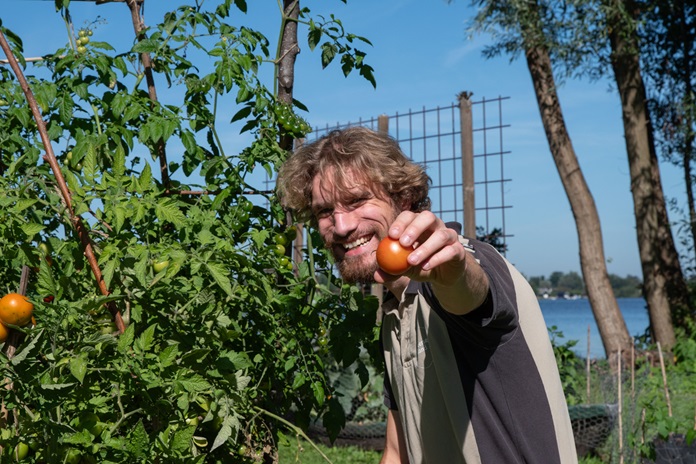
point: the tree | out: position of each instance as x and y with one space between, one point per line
171 326
664 285
528 27
668 53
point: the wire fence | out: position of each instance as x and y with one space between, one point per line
462 146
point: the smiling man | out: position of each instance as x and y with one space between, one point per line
471 375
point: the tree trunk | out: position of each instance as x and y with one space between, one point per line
287 54
663 282
688 43
612 327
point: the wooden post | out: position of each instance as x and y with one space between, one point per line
377 290
664 380
618 370
587 364
467 141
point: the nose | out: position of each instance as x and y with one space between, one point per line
345 222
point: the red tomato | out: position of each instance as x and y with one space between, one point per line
391 256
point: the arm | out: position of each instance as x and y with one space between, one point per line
395 447
458 281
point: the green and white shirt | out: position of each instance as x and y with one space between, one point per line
479 388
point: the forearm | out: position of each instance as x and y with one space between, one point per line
467 293
395 446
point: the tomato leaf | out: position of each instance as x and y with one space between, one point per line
21 355
78 367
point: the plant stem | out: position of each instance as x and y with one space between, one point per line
295 429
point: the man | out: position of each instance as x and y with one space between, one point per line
471 375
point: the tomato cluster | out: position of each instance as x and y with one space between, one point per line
83 39
15 309
290 121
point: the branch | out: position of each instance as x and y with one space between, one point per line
139 28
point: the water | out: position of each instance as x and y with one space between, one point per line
572 318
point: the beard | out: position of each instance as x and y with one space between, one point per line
361 269
358 270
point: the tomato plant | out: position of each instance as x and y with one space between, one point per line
392 257
222 344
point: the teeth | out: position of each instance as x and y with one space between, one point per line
357 243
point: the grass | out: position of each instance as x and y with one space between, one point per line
302 452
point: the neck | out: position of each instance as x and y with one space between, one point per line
398 286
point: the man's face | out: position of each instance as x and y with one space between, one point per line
351 223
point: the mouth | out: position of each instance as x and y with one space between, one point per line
362 241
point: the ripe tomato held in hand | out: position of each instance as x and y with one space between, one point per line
392 256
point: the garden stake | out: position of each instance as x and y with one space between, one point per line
664 380
633 368
618 370
587 363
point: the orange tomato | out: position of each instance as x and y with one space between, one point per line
4 332
15 309
391 256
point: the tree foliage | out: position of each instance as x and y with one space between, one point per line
227 343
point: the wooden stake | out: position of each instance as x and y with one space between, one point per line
587 363
618 370
664 379
633 367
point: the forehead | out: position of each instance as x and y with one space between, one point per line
330 187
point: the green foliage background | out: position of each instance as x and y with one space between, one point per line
227 347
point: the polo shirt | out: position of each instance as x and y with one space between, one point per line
482 387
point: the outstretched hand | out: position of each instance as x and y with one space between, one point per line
459 283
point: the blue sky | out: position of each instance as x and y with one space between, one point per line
423 57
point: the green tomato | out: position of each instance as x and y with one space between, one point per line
246 205
284 261
81 49
279 250
44 249
192 420
71 456
160 266
69 155
82 33
280 239
21 451
243 216
242 450
322 341
108 329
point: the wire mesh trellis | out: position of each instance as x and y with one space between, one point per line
433 137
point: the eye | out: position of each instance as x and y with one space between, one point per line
357 202
323 213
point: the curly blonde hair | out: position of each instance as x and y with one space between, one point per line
374 155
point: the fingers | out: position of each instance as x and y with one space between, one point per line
435 243
442 246
410 227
